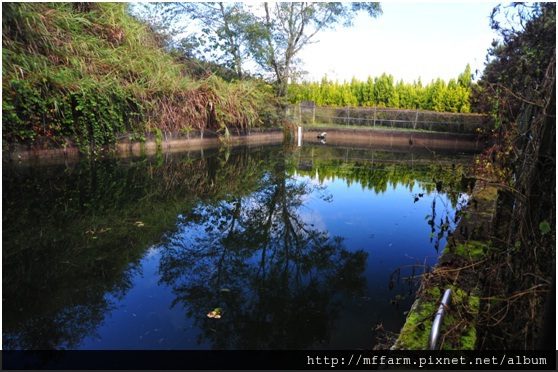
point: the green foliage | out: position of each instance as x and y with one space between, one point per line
289 27
518 87
225 30
382 91
545 228
91 71
471 249
518 63
271 36
158 139
94 115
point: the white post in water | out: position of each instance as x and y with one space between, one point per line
299 136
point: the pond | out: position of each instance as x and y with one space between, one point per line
255 247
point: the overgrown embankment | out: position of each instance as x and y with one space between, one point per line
514 265
462 267
89 71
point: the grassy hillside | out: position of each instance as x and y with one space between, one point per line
92 71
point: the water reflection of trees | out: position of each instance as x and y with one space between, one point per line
278 280
70 238
441 182
74 233
57 264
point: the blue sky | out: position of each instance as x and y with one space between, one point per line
409 40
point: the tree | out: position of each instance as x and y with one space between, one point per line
224 30
368 92
380 91
384 90
271 36
518 63
464 79
519 82
289 27
357 91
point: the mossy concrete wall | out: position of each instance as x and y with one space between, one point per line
45 150
179 141
459 268
136 144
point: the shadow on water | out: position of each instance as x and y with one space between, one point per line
233 238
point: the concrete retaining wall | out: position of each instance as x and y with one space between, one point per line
44 149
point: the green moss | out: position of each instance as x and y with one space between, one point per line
415 332
465 310
469 339
473 249
158 138
459 326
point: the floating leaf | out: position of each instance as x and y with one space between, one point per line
139 224
225 290
215 313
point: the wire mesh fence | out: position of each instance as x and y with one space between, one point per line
309 114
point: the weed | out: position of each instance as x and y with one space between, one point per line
95 71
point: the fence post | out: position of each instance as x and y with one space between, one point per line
374 116
348 117
306 105
313 114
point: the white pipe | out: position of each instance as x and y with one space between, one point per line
437 323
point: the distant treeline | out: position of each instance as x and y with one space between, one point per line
440 96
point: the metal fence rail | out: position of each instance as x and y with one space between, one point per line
307 113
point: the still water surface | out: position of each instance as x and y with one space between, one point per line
292 248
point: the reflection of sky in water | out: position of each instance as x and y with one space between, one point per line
394 230
144 319
389 225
